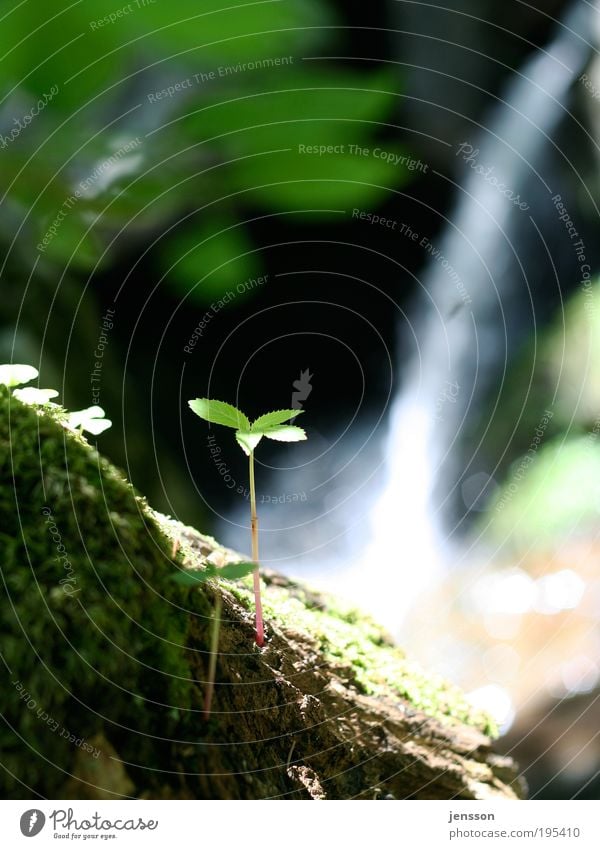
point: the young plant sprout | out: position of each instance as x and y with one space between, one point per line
231 572
248 435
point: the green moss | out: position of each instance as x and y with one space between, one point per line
89 618
363 651
93 636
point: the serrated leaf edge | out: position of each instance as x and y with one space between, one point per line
282 427
292 414
226 404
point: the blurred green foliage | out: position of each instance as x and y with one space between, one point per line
555 491
166 119
558 496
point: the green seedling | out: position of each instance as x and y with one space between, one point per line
248 435
190 578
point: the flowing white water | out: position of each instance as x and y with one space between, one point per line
395 539
462 345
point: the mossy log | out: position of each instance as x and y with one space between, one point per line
104 660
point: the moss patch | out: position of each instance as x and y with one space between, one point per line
89 624
352 641
94 633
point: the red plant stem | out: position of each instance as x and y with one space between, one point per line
214 653
260 628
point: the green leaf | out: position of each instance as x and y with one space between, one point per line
230 572
274 418
298 105
85 39
285 433
247 440
227 34
74 243
190 578
235 571
210 258
292 181
218 412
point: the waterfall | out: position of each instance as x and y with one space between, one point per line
484 290
496 270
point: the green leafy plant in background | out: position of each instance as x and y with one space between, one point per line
111 159
190 578
248 435
547 497
13 375
547 484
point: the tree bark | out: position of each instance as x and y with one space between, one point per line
105 660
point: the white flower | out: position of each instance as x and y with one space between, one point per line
91 419
12 374
31 395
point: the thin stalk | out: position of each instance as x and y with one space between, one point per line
214 653
260 628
